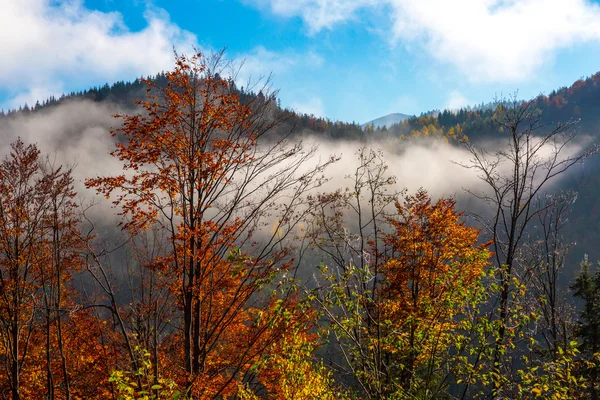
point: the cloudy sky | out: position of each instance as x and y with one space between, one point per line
352 60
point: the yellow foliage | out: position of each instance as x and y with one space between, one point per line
289 372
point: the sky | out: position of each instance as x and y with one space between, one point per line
349 60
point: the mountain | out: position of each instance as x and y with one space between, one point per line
580 101
388 120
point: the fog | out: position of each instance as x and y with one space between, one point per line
73 133
76 133
420 163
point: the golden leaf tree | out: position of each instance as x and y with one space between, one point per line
433 265
395 312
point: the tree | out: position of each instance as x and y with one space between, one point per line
346 228
587 288
289 371
37 234
544 262
396 340
532 155
434 263
200 168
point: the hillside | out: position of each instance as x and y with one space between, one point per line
580 101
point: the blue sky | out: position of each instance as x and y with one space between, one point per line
351 60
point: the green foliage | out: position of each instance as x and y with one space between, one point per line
557 379
152 388
399 330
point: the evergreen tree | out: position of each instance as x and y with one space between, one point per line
587 288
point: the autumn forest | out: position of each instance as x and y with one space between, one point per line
246 266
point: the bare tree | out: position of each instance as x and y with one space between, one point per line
347 229
531 155
346 225
62 259
151 305
545 257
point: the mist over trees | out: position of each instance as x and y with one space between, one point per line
239 260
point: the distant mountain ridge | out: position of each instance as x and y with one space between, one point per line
388 120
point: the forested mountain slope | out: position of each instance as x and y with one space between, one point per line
578 102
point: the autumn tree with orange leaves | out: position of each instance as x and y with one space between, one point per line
433 265
28 191
44 343
396 324
198 165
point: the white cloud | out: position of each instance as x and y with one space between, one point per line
318 14
496 40
456 101
45 43
312 106
488 40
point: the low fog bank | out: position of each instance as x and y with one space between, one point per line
419 163
77 133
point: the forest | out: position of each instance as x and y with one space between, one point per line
239 265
